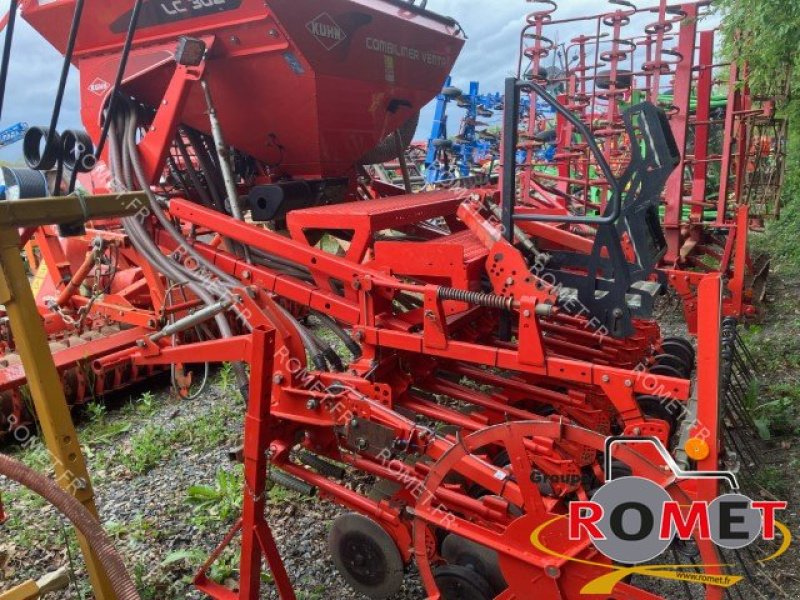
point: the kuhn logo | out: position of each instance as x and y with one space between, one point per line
99 86
327 31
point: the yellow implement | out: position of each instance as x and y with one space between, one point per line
16 295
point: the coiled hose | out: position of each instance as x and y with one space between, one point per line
81 518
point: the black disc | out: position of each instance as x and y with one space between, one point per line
460 551
623 81
675 362
683 343
679 351
667 371
366 556
462 583
659 408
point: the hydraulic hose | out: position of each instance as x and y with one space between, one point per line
81 518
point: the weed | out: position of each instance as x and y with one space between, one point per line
96 411
226 377
220 502
146 404
147 449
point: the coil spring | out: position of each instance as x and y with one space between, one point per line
620 17
544 15
621 53
542 45
477 298
665 25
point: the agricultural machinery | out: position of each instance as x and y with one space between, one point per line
472 147
490 338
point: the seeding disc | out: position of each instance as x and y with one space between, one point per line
675 362
366 556
462 552
462 583
673 345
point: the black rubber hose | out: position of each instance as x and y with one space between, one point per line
386 150
62 83
12 20
81 518
123 63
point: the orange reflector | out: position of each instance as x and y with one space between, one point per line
697 449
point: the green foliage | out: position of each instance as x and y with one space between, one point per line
226 378
219 503
779 415
764 34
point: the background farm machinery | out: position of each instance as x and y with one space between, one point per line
491 337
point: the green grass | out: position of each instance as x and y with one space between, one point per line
218 503
155 443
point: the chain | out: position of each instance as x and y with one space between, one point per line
97 292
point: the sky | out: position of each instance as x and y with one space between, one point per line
490 55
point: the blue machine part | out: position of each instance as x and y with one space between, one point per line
447 159
12 135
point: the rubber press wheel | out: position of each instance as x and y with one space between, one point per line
456 582
366 556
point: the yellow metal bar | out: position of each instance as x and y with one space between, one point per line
26 591
44 382
30 590
70 209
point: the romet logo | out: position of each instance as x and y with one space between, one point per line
632 520
327 31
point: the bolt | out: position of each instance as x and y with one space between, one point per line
354 423
277 379
552 572
429 314
356 284
359 336
637 431
273 33
361 444
140 343
606 378
527 314
628 383
510 281
79 483
246 275
312 404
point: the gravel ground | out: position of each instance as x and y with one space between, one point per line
161 534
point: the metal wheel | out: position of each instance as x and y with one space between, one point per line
366 556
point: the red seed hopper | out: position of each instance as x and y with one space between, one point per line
305 85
